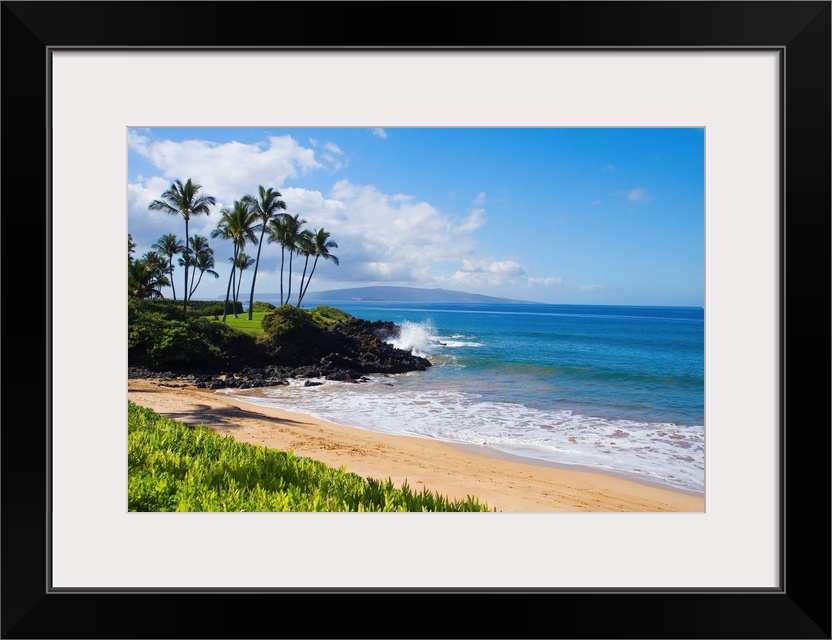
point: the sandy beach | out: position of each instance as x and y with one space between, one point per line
506 484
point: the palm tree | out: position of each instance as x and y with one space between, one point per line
265 207
168 245
203 262
131 248
286 231
306 247
277 232
236 224
244 261
322 246
196 243
183 199
146 276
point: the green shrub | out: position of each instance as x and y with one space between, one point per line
288 324
195 307
160 337
324 315
263 306
181 344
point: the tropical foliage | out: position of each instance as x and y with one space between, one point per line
266 206
320 247
244 261
163 337
185 200
146 276
202 261
169 245
236 224
250 220
286 231
171 467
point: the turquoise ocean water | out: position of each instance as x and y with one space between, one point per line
609 388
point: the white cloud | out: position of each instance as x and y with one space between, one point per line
378 131
333 148
545 282
504 267
475 219
330 154
231 169
638 196
483 273
391 236
394 238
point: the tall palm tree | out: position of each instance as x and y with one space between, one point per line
289 240
276 233
169 245
236 224
285 230
203 261
244 261
306 247
266 206
185 200
322 246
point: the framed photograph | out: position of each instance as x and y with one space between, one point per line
89 83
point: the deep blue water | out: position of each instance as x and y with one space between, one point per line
614 388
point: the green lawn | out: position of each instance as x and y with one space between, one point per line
322 315
253 327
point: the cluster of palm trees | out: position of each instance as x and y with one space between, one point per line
146 275
154 270
249 220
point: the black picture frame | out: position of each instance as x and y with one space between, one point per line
799 608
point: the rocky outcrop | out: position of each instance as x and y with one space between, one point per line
347 352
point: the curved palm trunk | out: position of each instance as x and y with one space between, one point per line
191 294
282 260
187 263
228 289
237 295
170 270
234 285
300 290
289 291
311 273
193 277
254 275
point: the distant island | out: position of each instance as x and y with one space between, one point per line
400 294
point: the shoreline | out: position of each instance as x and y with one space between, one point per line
483 450
509 483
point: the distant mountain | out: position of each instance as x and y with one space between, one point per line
405 294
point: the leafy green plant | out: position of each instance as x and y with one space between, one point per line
262 306
287 324
172 467
323 315
165 337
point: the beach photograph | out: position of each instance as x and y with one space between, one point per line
417 319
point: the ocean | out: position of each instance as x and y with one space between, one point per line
615 389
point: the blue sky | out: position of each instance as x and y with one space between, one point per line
572 216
